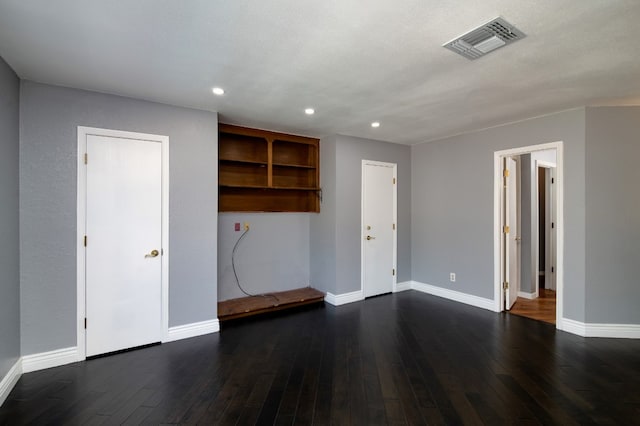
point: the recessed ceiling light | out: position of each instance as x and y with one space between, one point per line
309 111
375 124
218 91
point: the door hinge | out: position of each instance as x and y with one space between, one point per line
394 226
505 285
394 181
393 272
553 225
86 158
505 173
505 229
85 240
553 180
85 323
553 269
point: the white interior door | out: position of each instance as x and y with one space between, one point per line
378 227
511 232
123 249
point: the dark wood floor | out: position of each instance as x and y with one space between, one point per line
407 358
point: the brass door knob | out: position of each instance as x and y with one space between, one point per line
369 237
153 253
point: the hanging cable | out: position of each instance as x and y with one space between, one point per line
235 274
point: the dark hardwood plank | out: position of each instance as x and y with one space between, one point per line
400 359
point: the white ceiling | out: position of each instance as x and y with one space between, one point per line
353 61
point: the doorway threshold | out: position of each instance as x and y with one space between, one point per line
541 309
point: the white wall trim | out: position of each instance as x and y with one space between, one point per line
614 331
50 359
195 329
343 299
403 286
620 331
81 196
9 380
456 296
526 295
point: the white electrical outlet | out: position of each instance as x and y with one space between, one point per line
452 277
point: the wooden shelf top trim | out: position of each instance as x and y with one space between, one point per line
258 133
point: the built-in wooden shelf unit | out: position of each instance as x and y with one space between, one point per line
262 171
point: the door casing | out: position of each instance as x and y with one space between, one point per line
363 231
83 132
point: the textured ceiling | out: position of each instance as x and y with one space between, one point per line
353 61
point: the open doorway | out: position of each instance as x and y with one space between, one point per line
540 303
528 225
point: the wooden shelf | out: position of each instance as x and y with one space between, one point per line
293 165
254 305
283 188
261 163
264 171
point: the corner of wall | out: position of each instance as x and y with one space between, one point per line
10 379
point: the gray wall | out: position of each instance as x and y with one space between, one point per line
323 225
48 149
345 201
452 205
9 223
273 256
613 215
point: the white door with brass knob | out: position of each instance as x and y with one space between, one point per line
378 227
123 244
511 240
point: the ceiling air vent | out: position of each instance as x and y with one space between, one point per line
484 39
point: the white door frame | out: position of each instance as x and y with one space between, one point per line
395 220
83 132
498 296
548 219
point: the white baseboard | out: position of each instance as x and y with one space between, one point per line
524 295
9 380
615 331
403 286
572 326
192 330
469 299
343 299
49 359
